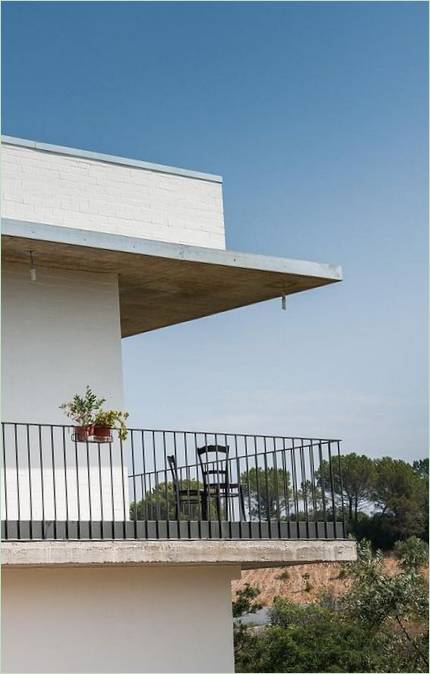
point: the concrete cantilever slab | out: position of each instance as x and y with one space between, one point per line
160 283
246 554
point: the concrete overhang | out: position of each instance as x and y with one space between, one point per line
162 284
247 554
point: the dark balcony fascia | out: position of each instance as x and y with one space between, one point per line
169 530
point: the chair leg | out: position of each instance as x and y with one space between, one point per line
218 505
242 503
205 508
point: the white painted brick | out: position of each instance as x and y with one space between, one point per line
90 194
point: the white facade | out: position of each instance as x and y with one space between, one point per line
127 619
116 196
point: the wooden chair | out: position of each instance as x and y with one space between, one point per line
183 495
216 480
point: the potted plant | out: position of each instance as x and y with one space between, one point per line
106 420
83 410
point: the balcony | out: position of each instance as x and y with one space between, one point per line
163 484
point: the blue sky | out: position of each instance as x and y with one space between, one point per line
316 116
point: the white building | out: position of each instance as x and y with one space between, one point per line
120 247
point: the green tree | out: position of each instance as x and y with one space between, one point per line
159 504
353 480
246 601
399 494
306 638
378 600
421 467
266 491
412 553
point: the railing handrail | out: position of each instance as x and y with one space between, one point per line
189 432
232 458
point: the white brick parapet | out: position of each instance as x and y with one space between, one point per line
90 191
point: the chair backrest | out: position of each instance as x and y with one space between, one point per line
214 464
174 469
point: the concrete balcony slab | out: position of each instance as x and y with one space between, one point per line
245 554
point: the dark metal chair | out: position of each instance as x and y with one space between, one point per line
216 480
183 495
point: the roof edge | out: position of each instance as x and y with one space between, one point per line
179 251
109 159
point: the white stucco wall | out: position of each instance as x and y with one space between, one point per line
129 619
58 334
73 191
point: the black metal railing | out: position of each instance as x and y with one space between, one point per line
168 484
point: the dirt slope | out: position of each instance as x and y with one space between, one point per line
294 583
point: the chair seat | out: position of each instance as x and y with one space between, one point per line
192 492
215 486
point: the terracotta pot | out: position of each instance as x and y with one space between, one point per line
82 433
102 432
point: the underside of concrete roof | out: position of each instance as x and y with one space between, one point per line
162 284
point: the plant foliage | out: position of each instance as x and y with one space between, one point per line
113 419
83 409
372 628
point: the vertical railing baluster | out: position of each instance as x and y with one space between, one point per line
180 485
229 501
17 482
134 481
78 497
101 491
42 485
294 475
121 448
239 488
166 491
268 495
30 490
341 489
157 489
275 472
145 515
90 505
323 495
208 485
66 493
198 508
248 487
312 470
112 494
5 481
257 480
202 510
304 485
333 501
285 477
151 500
54 489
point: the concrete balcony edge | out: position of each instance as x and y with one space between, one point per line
247 554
